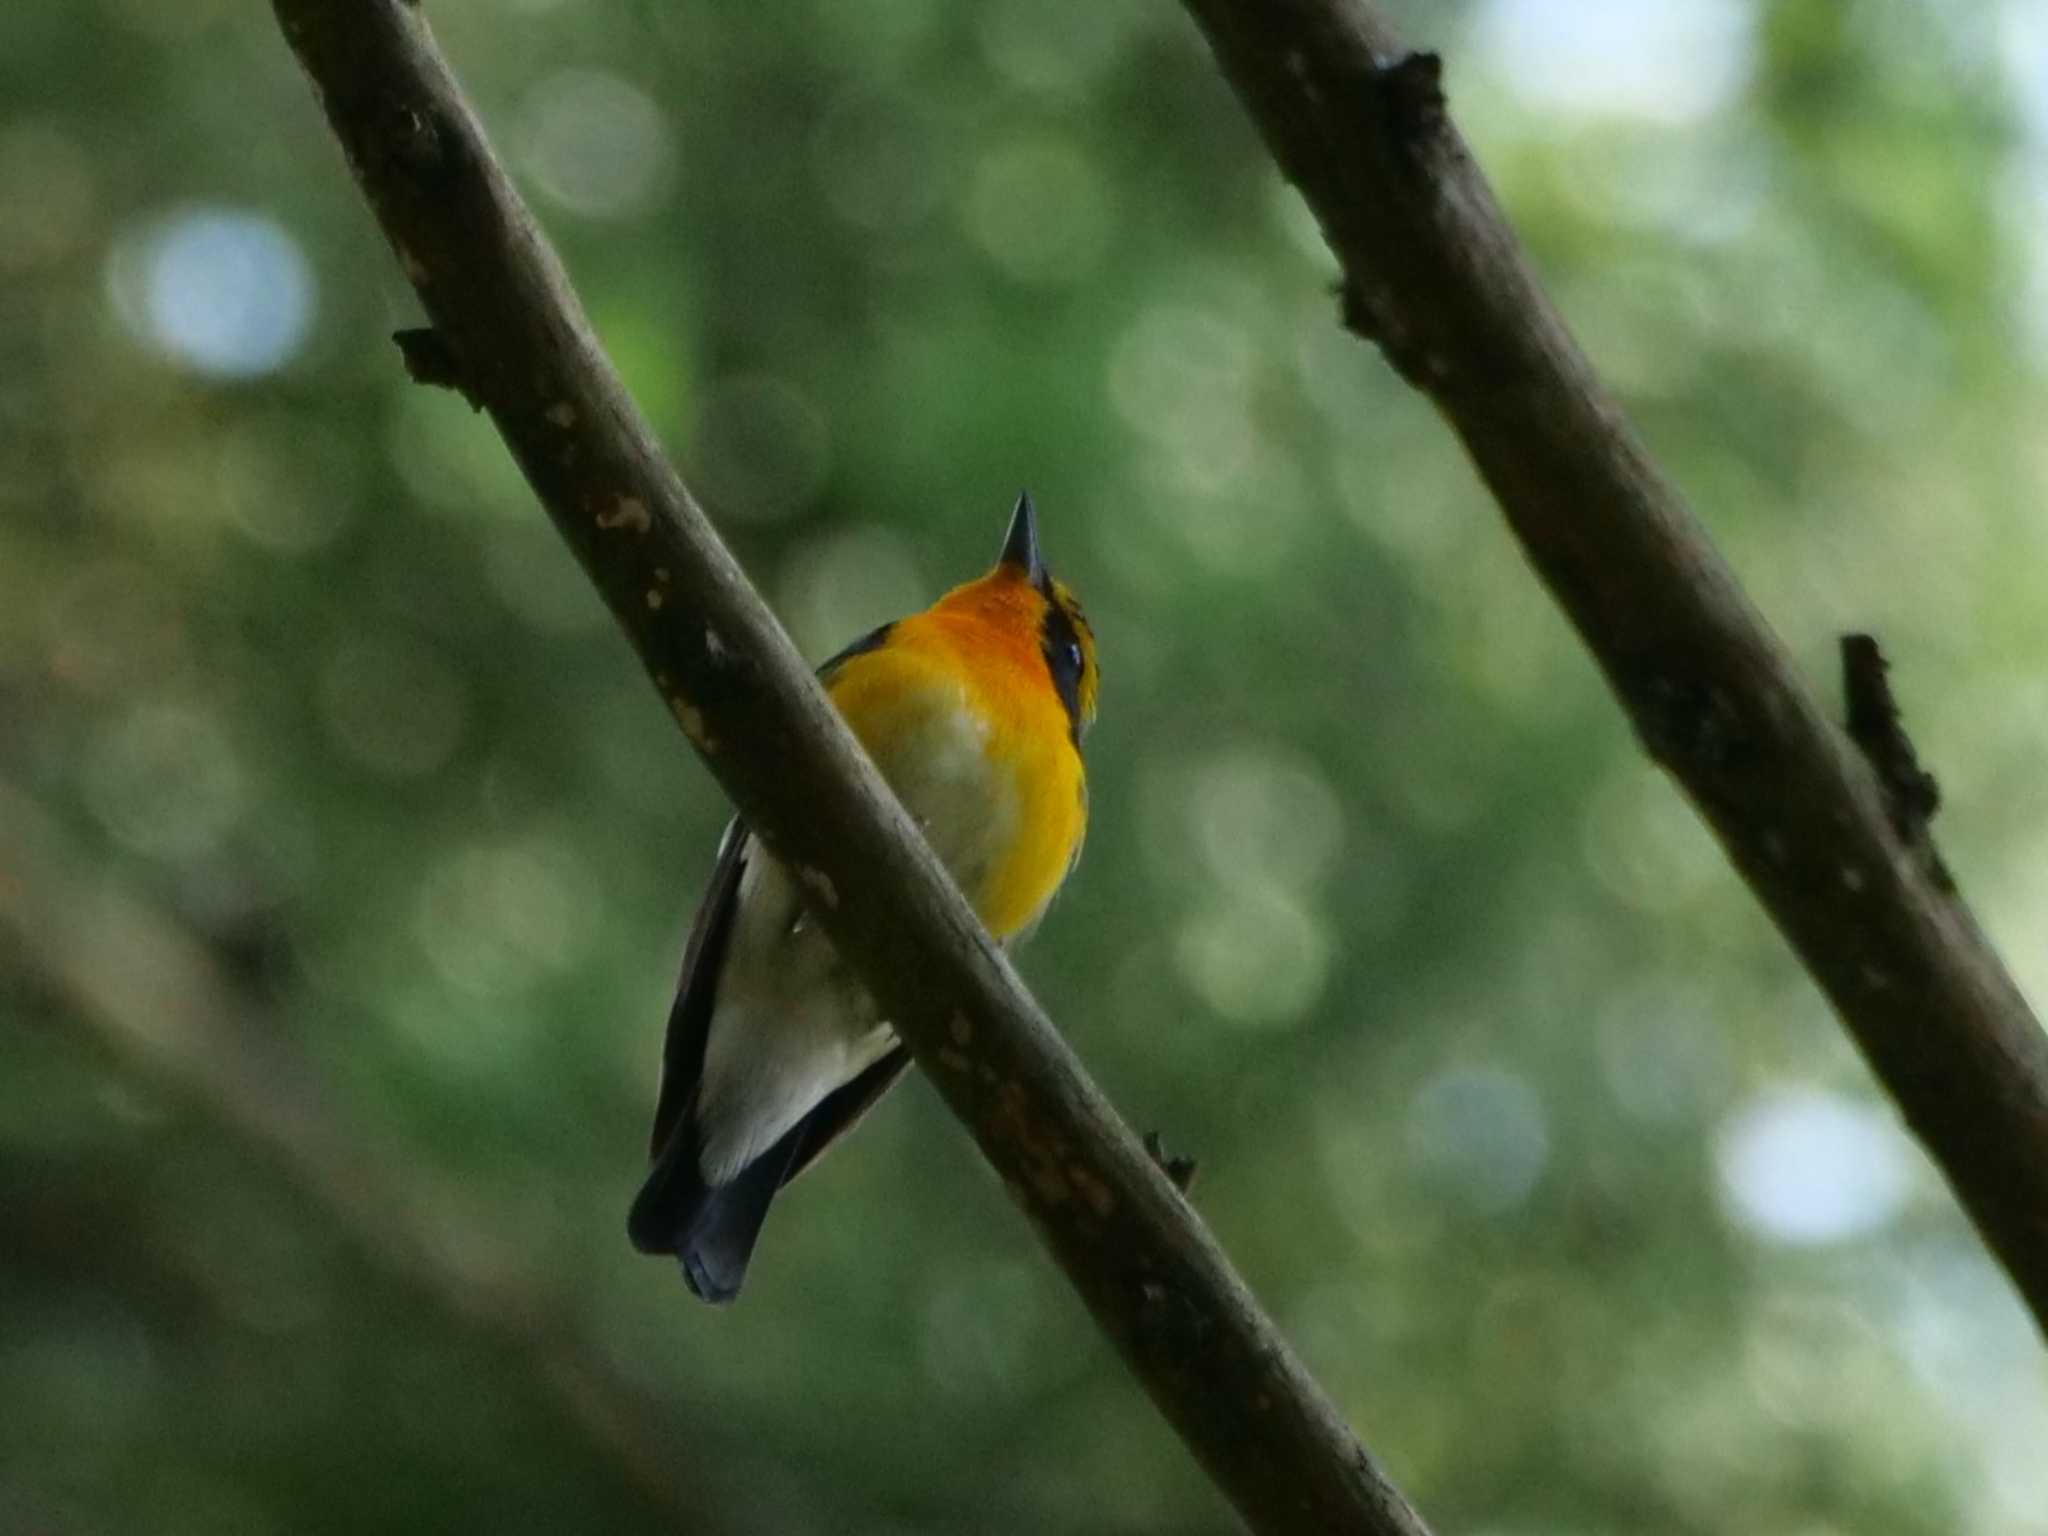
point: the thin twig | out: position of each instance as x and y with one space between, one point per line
1879 732
1434 275
431 361
1154 1279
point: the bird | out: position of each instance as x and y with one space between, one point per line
974 712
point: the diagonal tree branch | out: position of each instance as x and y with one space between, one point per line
158 1000
1433 274
515 339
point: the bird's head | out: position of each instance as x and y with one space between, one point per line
1022 597
1063 633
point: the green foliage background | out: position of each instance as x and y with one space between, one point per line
1509 1104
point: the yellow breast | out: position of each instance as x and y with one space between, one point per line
977 747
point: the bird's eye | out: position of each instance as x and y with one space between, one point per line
1072 656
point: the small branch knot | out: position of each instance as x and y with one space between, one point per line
1398 107
1911 794
408 137
1412 91
1370 317
430 359
1179 1171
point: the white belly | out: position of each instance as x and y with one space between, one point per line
791 1024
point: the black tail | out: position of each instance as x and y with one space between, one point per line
710 1228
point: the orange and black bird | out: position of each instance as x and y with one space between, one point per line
974 711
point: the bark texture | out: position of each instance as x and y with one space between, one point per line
1832 840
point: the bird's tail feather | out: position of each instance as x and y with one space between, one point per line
710 1228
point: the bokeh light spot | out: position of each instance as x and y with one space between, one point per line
1676 61
48 195
1256 956
839 587
1804 1166
1482 1131
1265 816
393 705
1645 844
1181 375
223 291
878 162
281 484
763 448
1661 1053
496 917
1038 207
1814 1360
874 41
2023 52
1058 47
113 625
595 144
166 781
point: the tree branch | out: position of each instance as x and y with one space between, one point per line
1147 1268
1434 275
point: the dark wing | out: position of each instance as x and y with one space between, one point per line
840 1109
712 1229
689 1020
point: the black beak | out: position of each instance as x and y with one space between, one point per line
1020 544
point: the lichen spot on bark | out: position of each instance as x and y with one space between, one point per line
1041 1155
1100 1197
1050 1183
562 414
820 884
629 513
961 1028
691 719
655 599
